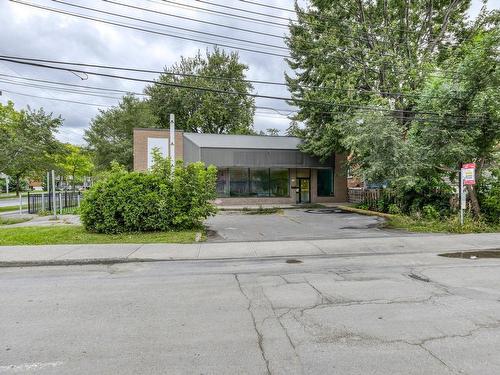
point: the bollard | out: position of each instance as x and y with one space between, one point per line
60 203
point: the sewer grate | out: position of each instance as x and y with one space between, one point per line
293 261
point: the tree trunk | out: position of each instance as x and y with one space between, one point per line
18 186
474 202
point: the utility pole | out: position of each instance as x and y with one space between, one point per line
172 141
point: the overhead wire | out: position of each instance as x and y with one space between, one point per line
206 89
78 15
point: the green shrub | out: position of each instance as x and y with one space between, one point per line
489 197
158 200
430 213
394 209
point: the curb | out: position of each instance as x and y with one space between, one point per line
111 261
365 212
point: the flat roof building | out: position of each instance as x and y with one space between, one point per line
252 169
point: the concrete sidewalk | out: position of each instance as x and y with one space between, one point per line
114 253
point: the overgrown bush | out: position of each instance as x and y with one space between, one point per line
489 197
158 200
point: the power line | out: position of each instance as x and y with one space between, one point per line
60 89
219 91
72 85
78 15
242 10
171 26
56 99
195 20
273 83
268 6
227 14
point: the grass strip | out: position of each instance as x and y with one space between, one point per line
76 234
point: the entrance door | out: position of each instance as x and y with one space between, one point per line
304 190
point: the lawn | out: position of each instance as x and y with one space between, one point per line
75 234
13 220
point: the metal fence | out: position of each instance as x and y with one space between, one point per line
65 201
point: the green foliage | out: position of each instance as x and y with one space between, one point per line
204 111
393 209
441 225
362 53
74 161
110 135
377 146
430 212
159 200
28 142
489 196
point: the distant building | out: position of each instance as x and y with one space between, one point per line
252 169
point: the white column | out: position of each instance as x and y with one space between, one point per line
172 140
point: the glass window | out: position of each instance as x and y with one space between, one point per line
259 182
222 183
325 182
279 182
238 182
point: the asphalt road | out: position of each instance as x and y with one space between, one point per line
398 314
295 224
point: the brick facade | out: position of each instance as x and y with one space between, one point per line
141 145
340 178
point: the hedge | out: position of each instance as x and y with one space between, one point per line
158 200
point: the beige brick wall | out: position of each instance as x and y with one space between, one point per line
141 145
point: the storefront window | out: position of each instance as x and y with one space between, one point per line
325 182
222 183
279 183
259 182
238 182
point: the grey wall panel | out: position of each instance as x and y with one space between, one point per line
260 158
191 152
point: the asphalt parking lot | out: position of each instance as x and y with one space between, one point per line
295 224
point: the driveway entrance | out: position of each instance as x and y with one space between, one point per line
295 224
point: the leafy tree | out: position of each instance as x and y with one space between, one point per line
74 161
205 111
468 105
9 118
31 144
110 136
348 55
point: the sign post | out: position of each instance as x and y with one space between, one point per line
467 177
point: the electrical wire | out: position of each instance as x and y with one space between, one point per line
268 6
78 15
194 19
56 99
262 82
242 10
219 91
239 40
227 14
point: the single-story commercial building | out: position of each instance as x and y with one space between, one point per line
252 169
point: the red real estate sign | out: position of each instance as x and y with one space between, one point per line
468 173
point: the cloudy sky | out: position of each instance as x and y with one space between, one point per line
37 33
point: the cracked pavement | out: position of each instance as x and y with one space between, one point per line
378 314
